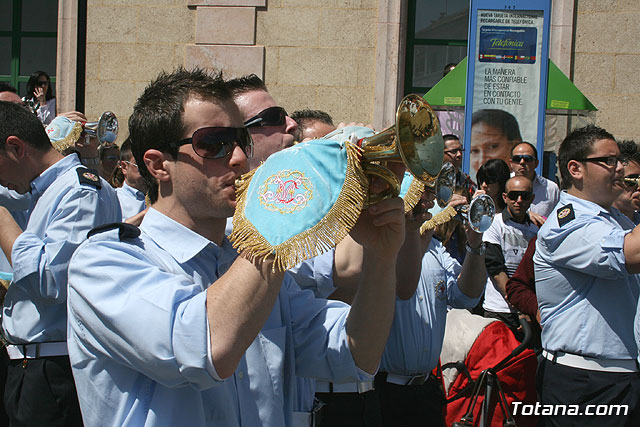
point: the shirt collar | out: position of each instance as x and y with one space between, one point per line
133 191
586 205
506 215
180 242
46 178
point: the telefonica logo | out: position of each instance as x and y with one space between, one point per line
497 42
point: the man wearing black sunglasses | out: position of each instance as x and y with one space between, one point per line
507 241
271 128
629 200
182 327
587 262
524 161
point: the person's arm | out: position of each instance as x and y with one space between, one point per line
238 304
10 232
632 250
347 268
380 230
472 279
521 289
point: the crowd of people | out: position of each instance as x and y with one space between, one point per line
128 305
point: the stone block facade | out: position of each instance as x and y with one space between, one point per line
342 56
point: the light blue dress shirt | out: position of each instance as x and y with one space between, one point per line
131 200
62 210
14 201
587 298
138 336
417 332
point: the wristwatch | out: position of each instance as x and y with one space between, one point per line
480 250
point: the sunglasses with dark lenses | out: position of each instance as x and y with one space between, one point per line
454 151
218 142
526 195
517 158
272 116
609 160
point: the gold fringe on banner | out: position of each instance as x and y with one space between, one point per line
414 193
323 236
69 140
441 217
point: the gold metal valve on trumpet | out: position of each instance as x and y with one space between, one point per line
632 182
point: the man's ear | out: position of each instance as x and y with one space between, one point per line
154 161
15 148
576 169
504 197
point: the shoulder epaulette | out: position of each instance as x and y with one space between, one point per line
89 176
125 230
565 214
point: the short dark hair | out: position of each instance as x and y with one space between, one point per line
629 149
494 170
33 80
578 145
125 150
156 121
246 84
499 119
6 87
303 117
450 137
533 147
15 120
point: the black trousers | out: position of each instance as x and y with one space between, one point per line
410 405
41 392
563 385
350 409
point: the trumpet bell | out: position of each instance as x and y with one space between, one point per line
480 213
105 129
445 184
415 139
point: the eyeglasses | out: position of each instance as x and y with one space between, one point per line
487 181
526 195
218 142
272 116
517 158
112 158
609 160
454 151
131 164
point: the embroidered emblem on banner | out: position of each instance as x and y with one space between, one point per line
286 192
440 289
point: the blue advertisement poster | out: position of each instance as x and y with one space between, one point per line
506 80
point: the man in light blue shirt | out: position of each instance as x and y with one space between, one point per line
408 394
180 330
131 194
67 200
586 263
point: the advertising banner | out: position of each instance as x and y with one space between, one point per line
507 75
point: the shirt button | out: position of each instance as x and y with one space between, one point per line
420 297
240 375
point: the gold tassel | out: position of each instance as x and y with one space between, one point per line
441 217
316 240
69 140
414 193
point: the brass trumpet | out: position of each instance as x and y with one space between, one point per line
478 213
415 140
105 129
